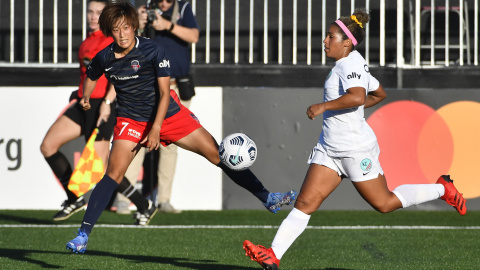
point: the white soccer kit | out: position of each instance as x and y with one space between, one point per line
347 144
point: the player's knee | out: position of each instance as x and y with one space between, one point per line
116 174
212 155
42 149
383 207
47 149
215 159
308 206
305 207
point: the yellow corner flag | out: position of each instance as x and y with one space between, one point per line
89 169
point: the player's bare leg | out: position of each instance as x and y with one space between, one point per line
62 131
121 155
103 150
377 194
319 182
202 142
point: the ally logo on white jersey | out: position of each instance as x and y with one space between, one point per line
354 75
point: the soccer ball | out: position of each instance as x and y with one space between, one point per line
237 151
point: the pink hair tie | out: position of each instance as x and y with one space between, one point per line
347 32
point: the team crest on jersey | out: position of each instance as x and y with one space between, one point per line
135 65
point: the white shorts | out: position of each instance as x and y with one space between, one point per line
358 166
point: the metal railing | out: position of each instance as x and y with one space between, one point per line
434 9
28 11
47 33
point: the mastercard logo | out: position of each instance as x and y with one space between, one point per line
418 143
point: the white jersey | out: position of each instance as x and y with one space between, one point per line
346 130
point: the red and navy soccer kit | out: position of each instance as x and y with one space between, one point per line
135 79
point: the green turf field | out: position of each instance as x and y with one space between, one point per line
335 240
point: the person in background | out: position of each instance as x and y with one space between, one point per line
76 122
148 114
347 146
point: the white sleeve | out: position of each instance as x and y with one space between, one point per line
374 84
353 75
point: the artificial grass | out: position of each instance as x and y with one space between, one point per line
154 247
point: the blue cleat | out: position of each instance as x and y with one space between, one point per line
79 243
276 200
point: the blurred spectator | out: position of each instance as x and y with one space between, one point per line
76 122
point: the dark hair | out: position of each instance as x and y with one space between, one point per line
357 29
115 11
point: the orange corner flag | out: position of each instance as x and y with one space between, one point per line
89 169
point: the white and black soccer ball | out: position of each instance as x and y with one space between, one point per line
237 151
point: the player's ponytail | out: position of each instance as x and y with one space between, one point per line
354 26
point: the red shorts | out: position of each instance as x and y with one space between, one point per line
173 128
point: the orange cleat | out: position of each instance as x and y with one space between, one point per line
265 257
452 196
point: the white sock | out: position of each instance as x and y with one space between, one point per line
416 194
291 228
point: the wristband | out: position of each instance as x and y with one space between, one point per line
107 101
171 27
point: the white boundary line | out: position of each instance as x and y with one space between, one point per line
246 227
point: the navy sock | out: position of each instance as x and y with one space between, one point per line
248 181
99 199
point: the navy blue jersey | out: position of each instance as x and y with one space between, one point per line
135 78
177 49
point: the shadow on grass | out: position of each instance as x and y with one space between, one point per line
25 220
329 268
23 255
